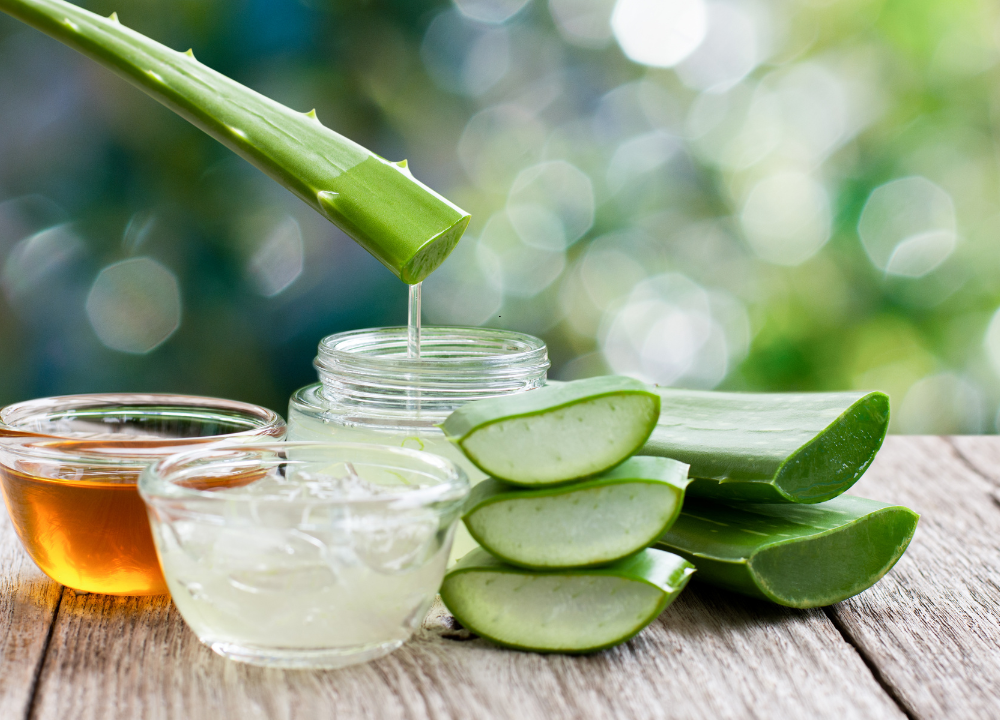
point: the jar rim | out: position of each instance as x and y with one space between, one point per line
442 348
367 375
160 481
123 451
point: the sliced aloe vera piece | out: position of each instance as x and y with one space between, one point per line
599 520
796 555
789 447
556 433
406 225
569 611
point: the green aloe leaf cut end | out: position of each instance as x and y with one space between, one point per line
568 611
407 226
795 555
790 447
592 522
556 433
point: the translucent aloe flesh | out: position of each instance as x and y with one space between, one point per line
556 433
568 611
796 555
591 522
406 225
792 447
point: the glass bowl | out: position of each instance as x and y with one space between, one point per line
303 554
69 468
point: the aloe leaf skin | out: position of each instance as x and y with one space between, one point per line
799 556
556 433
770 448
407 226
567 611
592 522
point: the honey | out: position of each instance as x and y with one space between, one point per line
69 468
90 534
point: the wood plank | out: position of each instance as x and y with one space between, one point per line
28 602
932 626
710 655
982 453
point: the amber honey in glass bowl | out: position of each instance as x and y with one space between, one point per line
69 472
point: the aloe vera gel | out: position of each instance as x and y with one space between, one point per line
564 521
560 433
372 391
596 521
570 611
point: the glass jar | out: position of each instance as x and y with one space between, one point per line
303 554
371 392
69 467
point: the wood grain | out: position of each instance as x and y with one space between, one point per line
981 453
932 626
28 601
710 655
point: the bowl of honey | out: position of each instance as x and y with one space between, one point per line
69 468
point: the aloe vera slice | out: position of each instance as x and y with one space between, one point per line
598 520
406 225
556 433
568 611
791 447
796 555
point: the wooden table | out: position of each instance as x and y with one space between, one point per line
923 643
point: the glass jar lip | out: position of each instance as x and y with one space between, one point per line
385 349
159 480
125 451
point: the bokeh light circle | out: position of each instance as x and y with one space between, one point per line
490 11
908 226
786 218
660 33
729 53
672 331
560 190
278 261
134 305
583 22
515 266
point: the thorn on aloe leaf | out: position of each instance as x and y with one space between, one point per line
402 164
312 115
190 53
113 17
326 200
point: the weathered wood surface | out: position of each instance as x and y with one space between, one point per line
928 637
932 626
707 656
28 601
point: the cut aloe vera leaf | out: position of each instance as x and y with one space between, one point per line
556 433
595 521
568 611
790 447
796 555
407 226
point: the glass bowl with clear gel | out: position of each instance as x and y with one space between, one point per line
303 554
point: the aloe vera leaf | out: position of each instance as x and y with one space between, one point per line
796 555
556 433
569 611
791 447
595 521
407 226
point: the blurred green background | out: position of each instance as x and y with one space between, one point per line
779 195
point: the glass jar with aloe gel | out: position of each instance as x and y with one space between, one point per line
371 392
